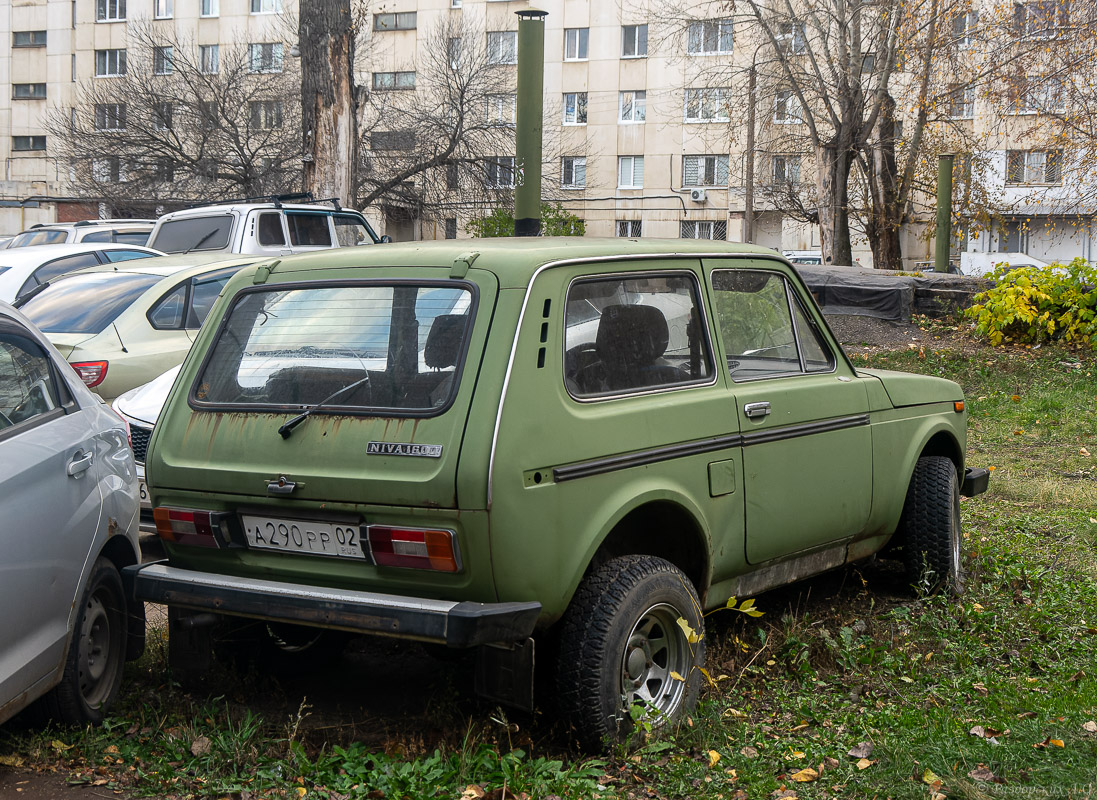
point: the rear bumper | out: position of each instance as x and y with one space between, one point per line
456 624
976 480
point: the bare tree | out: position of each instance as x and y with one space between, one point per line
441 137
181 122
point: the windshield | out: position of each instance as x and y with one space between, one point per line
403 345
86 303
193 233
31 238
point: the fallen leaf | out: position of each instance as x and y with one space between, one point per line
1056 742
713 758
784 794
472 792
1083 452
691 634
862 750
1026 715
806 775
797 754
1090 727
864 763
302 791
981 689
676 676
749 752
981 773
1077 676
11 761
1016 398
931 778
978 730
200 746
978 608
60 746
831 762
111 749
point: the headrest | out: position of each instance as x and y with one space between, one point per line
634 335
444 340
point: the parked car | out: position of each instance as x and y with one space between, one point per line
271 229
590 442
119 326
68 499
982 264
102 231
26 268
804 256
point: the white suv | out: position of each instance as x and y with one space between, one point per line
273 228
114 231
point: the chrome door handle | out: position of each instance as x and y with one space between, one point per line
753 410
80 463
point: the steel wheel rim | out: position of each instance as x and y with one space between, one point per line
97 661
954 541
656 646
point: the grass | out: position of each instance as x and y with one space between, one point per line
986 696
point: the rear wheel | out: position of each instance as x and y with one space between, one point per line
624 658
929 529
97 652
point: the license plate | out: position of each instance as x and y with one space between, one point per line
143 493
309 537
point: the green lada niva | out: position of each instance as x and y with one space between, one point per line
577 442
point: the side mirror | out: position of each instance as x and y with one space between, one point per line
386 239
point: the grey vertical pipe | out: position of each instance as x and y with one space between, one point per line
944 212
527 137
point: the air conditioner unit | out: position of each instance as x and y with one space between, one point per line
697 195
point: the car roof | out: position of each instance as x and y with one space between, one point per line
228 208
182 265
89 223
514 260
39 254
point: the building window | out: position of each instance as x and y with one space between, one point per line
110 116
265 57
392 140
1034 166
402 21
629 228
707 105
964 29
110 10
266 6
705 170
209 8
161 61
209 58
453 178
502 47
634 41
28 91
786 170
163 9
393 81
451 224
575 108
453 50
791 39
108 170
110 63
709 36
162 114
786 107
265 115
28 142
573 172
165 169
208 113
28 39
502 109
633 106
575 44
1040 19
961 101
454 3
630 172
1035 94
704 229
500 172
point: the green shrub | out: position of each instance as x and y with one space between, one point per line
1033 304
555 221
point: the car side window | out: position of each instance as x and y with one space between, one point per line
99 236
632 334
202 297
167 314
27 388
755 312
308 229
59 266
349 231
269 229
114 256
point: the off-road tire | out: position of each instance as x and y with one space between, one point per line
97 652
929 529
624 612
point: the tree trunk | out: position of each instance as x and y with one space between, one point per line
886 214
832 180
329 102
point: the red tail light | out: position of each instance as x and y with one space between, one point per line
91 373
415 548
197 528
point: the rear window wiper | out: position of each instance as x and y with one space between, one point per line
287 428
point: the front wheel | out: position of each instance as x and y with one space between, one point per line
97 653
929 529
624 658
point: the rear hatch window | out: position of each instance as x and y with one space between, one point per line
369 348
193 234
86 303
